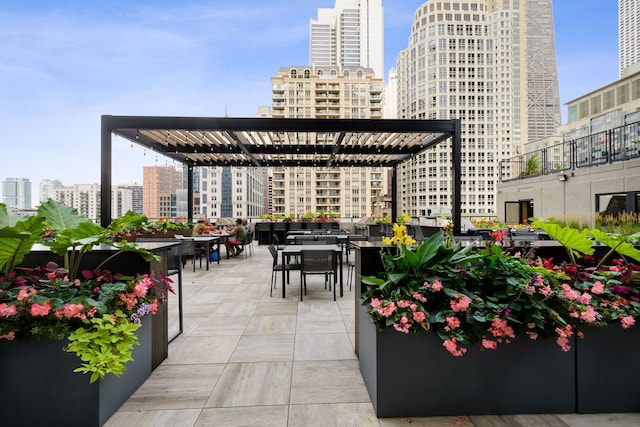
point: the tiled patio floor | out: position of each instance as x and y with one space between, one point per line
248 359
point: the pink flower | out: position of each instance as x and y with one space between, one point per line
452 347
500 328
546 291
403 303
436 286
597 288
489 344
154 306
9 336
26 292
589 315
375 303
403 326
460 303
7 310
40 310
627 322
419 316
418 297
569 293
585 298
140 290
452 323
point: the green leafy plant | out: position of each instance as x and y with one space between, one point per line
98 308
104 345
489 295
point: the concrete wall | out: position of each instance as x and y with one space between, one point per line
574 197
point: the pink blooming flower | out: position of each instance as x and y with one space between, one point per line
40 310
154 306
7 310
460 303
452 347
418 297
403 326
452 323
419 316
413 308
140 290
500 328
589 315
375 303
627 322
26 292
546 291
597 288
569 293
436 286
489 344
9 336
585 298
403 303
387 310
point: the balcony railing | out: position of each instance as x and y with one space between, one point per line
609 146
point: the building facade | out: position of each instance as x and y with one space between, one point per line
231 192
160 184
47 187
490 64
628 36
351 34
16 193
85 198
327 92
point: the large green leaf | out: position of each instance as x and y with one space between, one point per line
59 216
4 216
16 241
575 242
620 243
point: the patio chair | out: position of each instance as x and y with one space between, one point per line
320 262
284 268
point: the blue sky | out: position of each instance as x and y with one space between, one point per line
65 63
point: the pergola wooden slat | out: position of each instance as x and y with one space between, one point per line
276 142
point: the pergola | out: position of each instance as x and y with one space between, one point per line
277 142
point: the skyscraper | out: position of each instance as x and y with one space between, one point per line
628 34
16 193
351 34
324 92
492 65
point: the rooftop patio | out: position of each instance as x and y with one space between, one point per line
246 358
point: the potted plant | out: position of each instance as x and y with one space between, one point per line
469 322
72 319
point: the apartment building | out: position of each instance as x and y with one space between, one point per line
327 92
490 64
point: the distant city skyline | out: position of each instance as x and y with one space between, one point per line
65 66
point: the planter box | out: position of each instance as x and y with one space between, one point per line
412 375
40 387
607 370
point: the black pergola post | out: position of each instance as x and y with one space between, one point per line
105 172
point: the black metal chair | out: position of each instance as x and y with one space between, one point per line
322 262
284 268
247 246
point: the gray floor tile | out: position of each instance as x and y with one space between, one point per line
264 348
330 414
332 381
252 384
256 416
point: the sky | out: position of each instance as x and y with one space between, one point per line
65 63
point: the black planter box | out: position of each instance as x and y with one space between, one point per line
607 370
39 386
412 375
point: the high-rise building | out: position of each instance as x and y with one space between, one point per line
628 36
231 192
47 187
351 34
159 188
327 92
16 193
85 198
492 65
137 195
